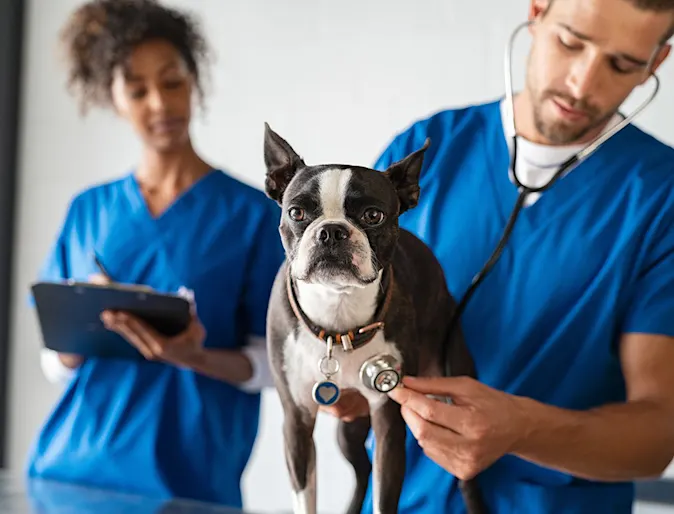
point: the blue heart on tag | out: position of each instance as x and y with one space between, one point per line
326 393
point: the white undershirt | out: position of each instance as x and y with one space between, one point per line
256 350
536 163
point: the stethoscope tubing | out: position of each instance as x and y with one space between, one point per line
524 190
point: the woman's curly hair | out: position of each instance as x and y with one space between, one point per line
100 35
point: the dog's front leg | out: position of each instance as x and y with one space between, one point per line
352 439
389 457
300 453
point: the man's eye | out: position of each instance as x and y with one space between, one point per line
623 67
567 44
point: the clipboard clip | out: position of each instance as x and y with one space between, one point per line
116 284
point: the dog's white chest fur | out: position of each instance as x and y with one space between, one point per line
302 356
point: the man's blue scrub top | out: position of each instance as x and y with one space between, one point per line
593 258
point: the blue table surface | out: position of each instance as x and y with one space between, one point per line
20 496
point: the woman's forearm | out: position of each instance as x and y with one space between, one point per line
231 366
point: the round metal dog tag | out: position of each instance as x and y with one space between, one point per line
381 373
325 393
328 366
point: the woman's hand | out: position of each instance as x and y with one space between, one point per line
72 360
185 349
99 279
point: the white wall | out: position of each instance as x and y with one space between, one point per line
335 78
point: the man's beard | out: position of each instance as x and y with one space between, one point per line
561 132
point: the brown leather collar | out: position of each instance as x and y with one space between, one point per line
351 339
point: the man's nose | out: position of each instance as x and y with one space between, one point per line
585 76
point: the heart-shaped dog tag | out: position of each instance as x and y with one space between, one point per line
325 393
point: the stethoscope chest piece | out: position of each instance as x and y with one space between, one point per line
381 373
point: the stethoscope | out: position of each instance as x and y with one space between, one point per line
525 191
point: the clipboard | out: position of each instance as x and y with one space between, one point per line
69 316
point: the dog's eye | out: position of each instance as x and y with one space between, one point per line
373 216
296 214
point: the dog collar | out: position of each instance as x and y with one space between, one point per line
351 339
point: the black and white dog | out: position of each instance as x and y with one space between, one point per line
358 303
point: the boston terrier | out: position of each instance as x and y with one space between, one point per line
357 304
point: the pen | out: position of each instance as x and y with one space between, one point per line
111 281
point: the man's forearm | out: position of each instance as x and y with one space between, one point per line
611 443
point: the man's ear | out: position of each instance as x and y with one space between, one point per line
538 9
404 175
661 56
282 163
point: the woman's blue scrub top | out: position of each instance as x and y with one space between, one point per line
592 259
146 427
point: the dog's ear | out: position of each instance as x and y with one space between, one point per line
404 175
282 163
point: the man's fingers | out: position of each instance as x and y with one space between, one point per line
426 432
453 387
433 411
444 447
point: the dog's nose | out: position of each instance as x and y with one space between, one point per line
332 233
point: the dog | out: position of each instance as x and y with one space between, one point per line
357 303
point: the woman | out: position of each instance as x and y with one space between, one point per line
182 421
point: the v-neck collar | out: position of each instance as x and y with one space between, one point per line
498 158
139 205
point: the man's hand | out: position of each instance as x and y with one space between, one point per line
185 349
351 405
480 426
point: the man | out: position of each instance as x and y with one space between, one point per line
573 329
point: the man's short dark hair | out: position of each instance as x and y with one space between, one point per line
660 6
652 5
